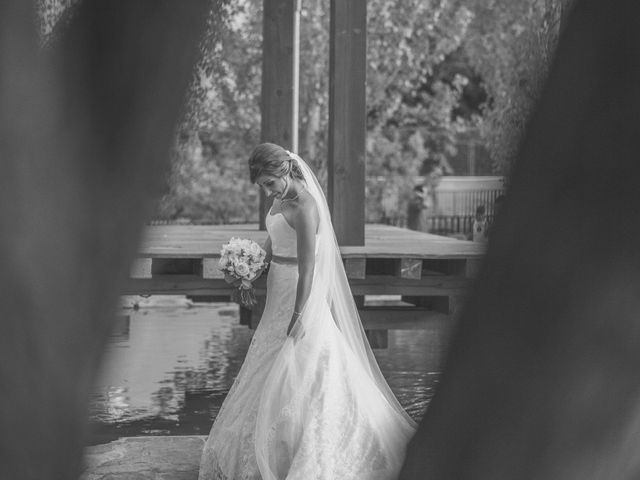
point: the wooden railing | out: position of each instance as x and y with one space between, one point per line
453 208
464 203
460 225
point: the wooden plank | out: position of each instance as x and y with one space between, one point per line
355 267
279 78
140 268
209 298
387 285
210 268
184 285
445 304
409 268
370 285
347 110
176 266
382 241
401 318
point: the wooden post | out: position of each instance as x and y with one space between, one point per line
280 43
347 128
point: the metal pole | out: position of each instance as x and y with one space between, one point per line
296 77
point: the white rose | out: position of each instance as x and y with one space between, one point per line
254 268
255 250
242 269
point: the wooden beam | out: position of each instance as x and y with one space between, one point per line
280 44
140 268
209 298
211 268
389 318
183 285
347 77
355 267
409 268
370 285
426 286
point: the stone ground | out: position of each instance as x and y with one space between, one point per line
145 458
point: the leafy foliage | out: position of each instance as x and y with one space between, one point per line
209 182
436 70
511 45
49 13
411 103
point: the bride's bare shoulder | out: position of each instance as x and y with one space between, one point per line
307 205
305 211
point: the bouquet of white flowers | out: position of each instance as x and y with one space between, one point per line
242 261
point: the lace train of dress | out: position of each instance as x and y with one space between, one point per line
302 407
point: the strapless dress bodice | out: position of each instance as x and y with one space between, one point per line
283 237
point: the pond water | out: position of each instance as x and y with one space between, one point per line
169 365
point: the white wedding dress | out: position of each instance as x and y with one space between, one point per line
311 405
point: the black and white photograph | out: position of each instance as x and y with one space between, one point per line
320 240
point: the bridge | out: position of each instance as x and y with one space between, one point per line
427 274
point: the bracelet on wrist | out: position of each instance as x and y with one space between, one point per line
297 314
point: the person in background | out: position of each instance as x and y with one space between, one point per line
416 210
480 225
389 203
433 172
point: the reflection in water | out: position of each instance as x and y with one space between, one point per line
169 370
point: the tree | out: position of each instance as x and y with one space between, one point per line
411 107
49 12
209 181
511 45
425 60
402 91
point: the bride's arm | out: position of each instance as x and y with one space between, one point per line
267 248
305 222
267 258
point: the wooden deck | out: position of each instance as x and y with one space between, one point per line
430 272
381 241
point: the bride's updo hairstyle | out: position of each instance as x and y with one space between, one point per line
272 159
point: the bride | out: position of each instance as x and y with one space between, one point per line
310 401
